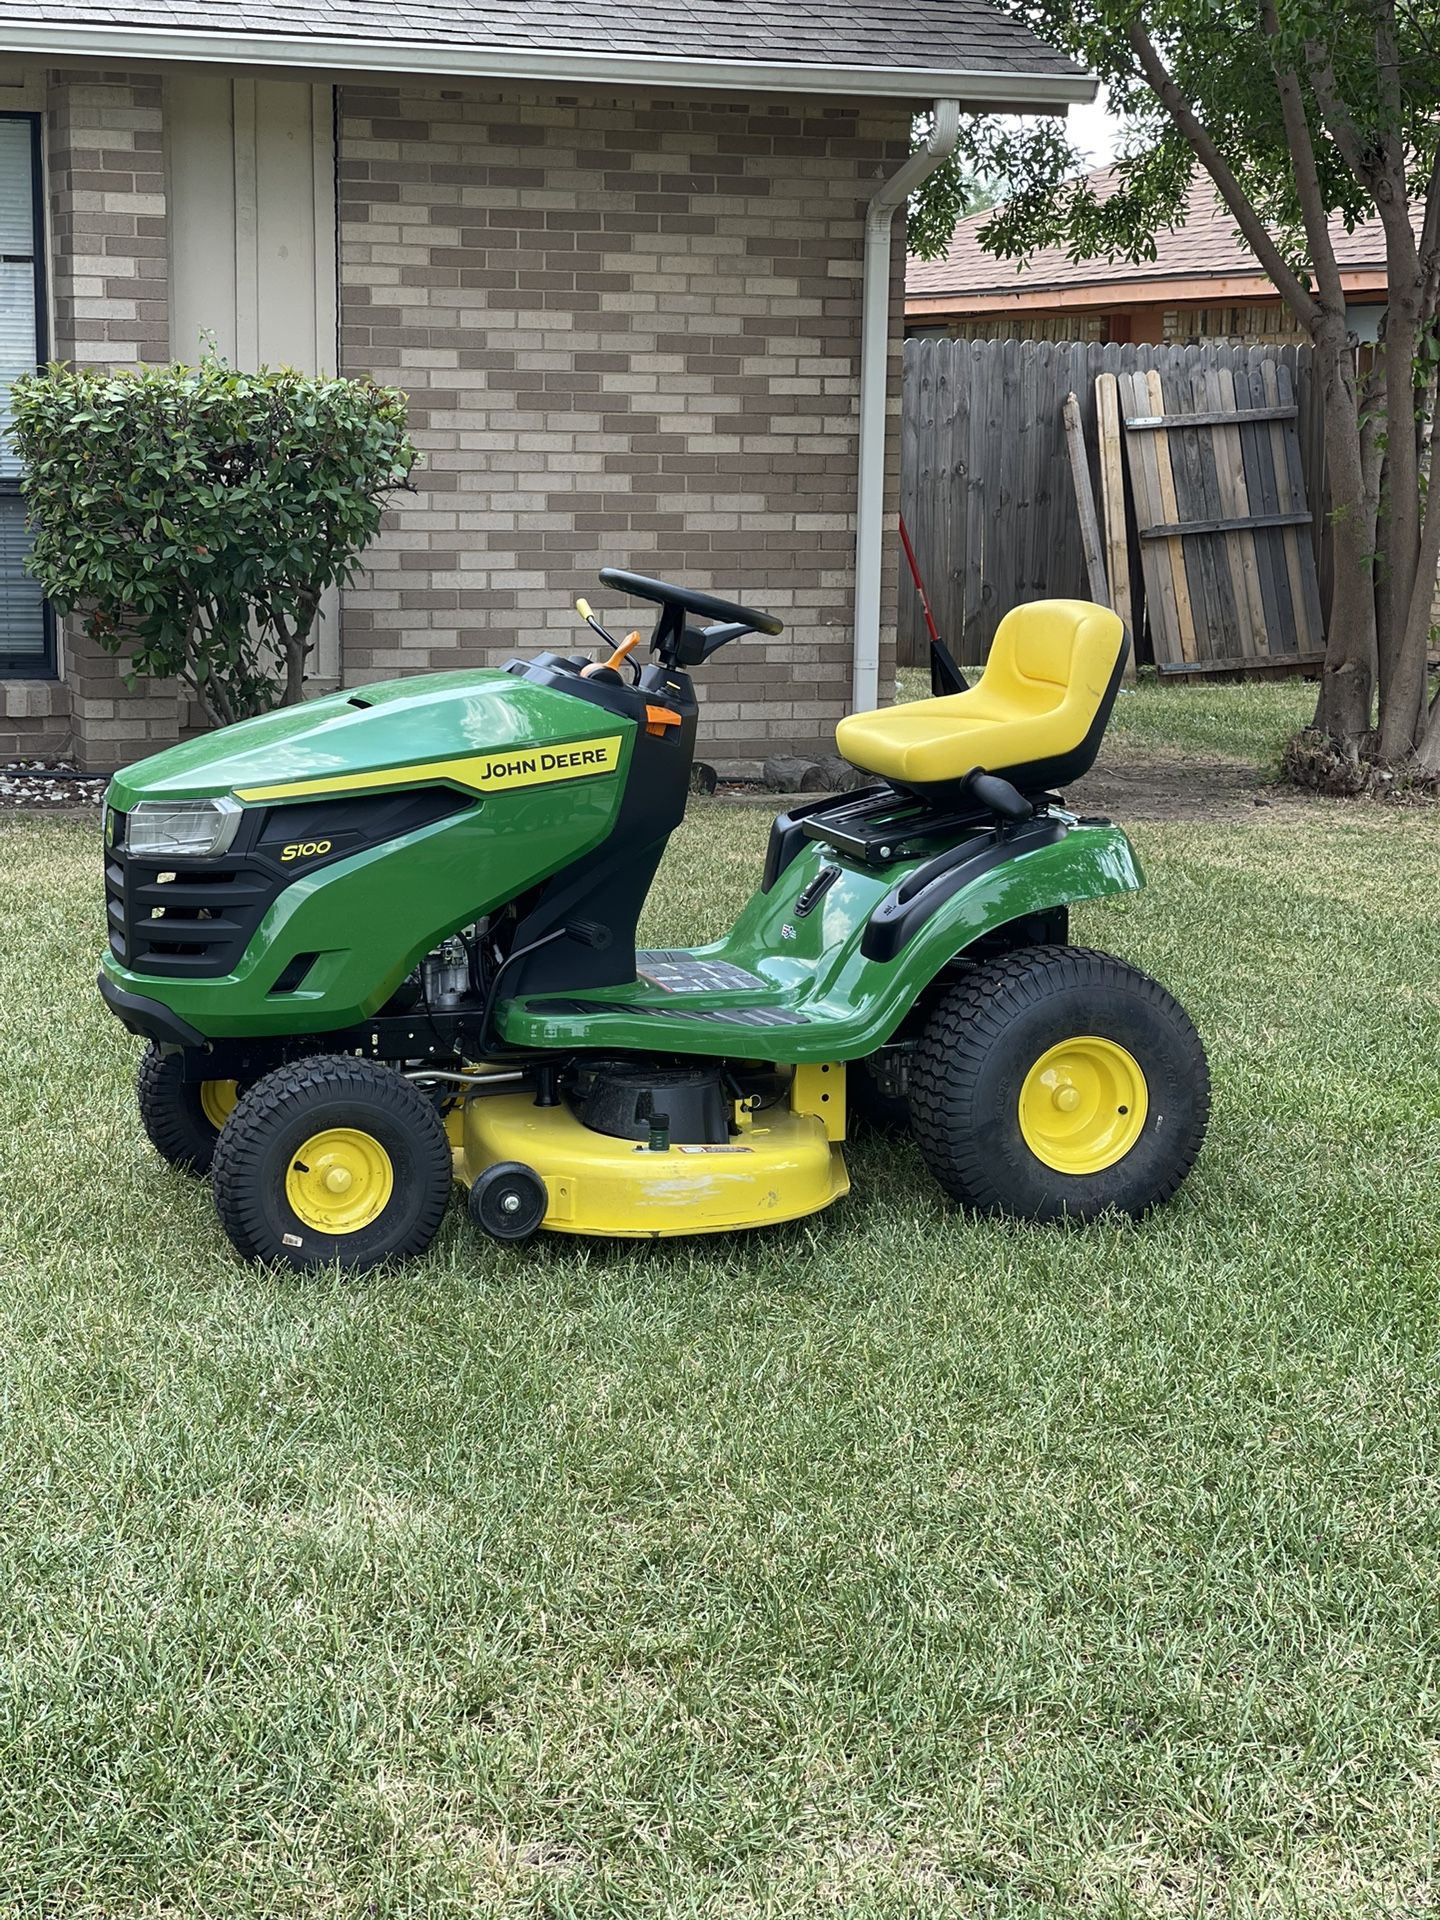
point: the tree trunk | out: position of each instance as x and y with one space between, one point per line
295 646
295 651
1422 607
1401 671
1347 681
1428 752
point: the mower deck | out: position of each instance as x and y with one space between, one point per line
781 1165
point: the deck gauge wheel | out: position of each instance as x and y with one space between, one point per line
508 1201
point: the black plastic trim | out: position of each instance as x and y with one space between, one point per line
816 891
150 1019
604 891
907 907
654 688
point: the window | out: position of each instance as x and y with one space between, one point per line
27 638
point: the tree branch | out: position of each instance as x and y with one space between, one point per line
1430 241
1383 176
1392 98
1417 625
1313 210
1262 243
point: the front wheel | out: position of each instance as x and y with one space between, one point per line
332 1159
183 1117
1059 1083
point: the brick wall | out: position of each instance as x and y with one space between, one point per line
110 301
106 140
34 719
630 329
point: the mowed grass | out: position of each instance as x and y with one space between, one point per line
893 1564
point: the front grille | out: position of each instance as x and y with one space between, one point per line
181 919
193 919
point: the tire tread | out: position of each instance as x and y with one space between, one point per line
235 1179
170 1112
971 1017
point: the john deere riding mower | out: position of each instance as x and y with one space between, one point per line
386 941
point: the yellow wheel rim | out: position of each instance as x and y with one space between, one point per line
217 1101
339 1181
1083 1105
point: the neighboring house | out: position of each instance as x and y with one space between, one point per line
1203 284
613 254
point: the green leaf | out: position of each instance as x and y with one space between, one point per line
176 506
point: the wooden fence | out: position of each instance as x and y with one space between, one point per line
985 481
1226 532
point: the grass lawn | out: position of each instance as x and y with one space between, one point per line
889 1565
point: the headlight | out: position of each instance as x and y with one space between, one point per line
196 828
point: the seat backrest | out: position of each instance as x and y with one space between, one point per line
1050 651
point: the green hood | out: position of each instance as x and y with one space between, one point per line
342 741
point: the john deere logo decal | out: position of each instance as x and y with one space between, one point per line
481 772
538 766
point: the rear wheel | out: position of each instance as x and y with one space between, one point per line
332 1159
1059 1083
183 1117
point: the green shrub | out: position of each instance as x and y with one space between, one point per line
193 516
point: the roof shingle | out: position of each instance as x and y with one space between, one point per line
943 36
1205 244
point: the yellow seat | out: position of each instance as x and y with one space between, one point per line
1035 716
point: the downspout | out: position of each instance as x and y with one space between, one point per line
874 369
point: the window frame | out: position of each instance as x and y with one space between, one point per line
42 665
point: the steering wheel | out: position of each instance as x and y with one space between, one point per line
677 644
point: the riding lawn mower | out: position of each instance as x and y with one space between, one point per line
385 941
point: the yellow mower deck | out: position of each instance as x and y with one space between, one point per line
783 1163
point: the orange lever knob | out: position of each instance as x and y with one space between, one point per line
627 645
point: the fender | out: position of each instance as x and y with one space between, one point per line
816 991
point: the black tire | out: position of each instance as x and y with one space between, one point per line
508 1201
987 1033
257 1152
172 1111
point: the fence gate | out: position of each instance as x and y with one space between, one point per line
987 495
1225 534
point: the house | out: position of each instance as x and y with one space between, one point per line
632 267
1204 283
